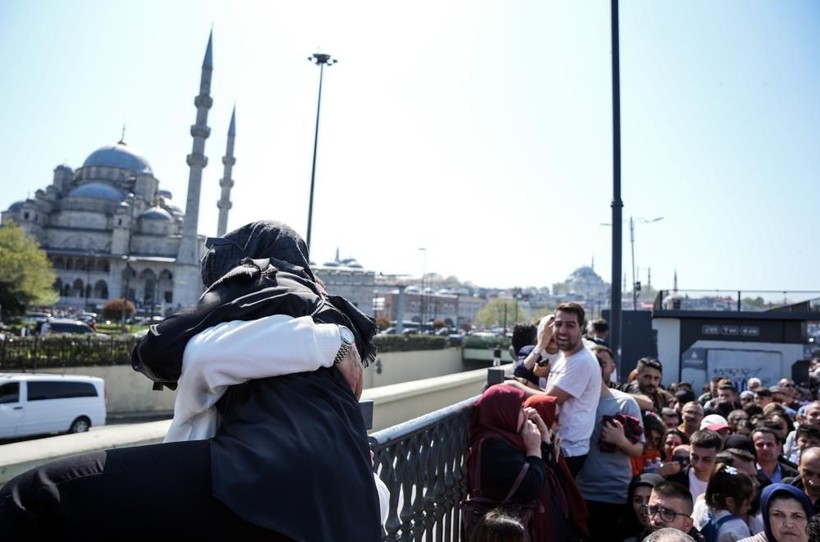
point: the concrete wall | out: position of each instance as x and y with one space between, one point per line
130 391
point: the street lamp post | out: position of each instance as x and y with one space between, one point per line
127 260
320 59
617 202
421 294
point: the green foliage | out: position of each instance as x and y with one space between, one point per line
26 275
493 313
31 353
53 351
407 343
113 310
480 341
757 302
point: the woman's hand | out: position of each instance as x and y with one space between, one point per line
532 438
546 334
352 369
534 417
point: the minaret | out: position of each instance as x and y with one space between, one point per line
675 282
226 183
187 282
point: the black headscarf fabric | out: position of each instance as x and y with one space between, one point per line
261 239
264 270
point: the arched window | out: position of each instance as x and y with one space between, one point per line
101 289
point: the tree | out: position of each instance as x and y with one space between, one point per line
113 310
26 275
757 302
499 312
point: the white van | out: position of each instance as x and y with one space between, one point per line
41 404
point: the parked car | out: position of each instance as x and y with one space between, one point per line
43 404
54 326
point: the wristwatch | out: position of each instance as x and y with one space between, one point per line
348 341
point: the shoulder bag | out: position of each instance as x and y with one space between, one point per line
475 507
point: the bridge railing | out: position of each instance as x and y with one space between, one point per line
422 462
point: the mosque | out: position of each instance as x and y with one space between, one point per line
110 231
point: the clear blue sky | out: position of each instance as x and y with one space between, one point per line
479 130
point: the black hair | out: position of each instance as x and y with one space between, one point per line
726 481
649 363
674 490
706 439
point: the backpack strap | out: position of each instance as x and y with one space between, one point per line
477 474
517 482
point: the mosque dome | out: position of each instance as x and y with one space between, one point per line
97 191
119 156
156 213
16 206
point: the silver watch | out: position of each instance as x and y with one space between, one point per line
348 342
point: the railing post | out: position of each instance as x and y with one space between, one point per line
366 406
495 375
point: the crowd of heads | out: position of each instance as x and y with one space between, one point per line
739 441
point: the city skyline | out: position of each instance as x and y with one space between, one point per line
480 132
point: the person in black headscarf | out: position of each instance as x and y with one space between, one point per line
635 519
289 458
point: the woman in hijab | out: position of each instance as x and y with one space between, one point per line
285 453
506 441
635 520
566 511
786 513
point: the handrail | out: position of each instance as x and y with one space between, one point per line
422 462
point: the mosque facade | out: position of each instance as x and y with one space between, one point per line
110 231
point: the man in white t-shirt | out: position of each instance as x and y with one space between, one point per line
575 380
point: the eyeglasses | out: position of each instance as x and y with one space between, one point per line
666 514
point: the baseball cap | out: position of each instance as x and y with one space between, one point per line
714 422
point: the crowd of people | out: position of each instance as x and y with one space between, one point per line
637 460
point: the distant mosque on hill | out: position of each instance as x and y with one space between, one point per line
110 231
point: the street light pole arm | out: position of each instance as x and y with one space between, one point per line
320 59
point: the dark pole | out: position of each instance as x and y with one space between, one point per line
634 280
617 203
131 199
320 59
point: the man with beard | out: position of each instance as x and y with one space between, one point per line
574 380
648 381
692 414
